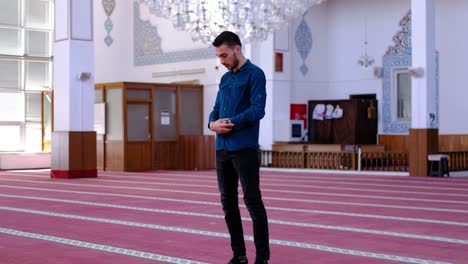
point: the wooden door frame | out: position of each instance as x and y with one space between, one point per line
147 101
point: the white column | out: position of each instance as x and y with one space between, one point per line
261 54
73 139
73 58
423 101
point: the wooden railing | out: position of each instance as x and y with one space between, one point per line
282 159
458 160
349 160
384 161
312 160
342 160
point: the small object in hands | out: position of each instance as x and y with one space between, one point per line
227 121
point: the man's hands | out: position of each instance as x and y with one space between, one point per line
221 126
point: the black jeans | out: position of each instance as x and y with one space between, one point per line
244 165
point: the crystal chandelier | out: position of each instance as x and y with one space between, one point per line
252 20
365 60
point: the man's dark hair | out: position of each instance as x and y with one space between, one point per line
227 37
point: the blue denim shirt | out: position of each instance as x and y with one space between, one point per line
241 98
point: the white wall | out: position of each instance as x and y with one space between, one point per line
451 42
282 85
337 28
116 63
112 62
338 34
346 31
347 22
315 82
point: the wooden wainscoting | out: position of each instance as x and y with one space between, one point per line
74 154
284 146
448 143
397 143
139 156
114 155
456 146
196 152
165 155
89 150
74 151
100 154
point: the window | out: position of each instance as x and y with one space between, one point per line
10 74
11 12
402 94
25 73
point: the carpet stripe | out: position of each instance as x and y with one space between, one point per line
100 247
224 235
267 183
311 178
271 221
307 179
298 192
284 199
410 219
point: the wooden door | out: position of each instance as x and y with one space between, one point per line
139 137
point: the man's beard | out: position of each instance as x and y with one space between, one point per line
235 62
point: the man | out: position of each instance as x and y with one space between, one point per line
239 106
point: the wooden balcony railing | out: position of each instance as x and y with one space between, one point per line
336 160
282 159
458 160
344 160
384 161
350 160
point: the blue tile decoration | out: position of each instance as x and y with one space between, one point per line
108 40
147 45
400 56
108 25
109 6
303 39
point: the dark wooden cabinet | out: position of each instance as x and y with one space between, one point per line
358 125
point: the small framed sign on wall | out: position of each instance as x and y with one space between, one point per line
278 62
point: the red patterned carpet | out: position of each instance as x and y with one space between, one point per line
176 217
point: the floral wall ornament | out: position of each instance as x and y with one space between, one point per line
402 39
397 56
303 39
147 48
109 6
400 56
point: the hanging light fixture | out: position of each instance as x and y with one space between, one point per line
252 20
365 60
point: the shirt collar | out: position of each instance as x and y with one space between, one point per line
243 67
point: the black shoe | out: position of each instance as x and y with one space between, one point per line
260 260
239 260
